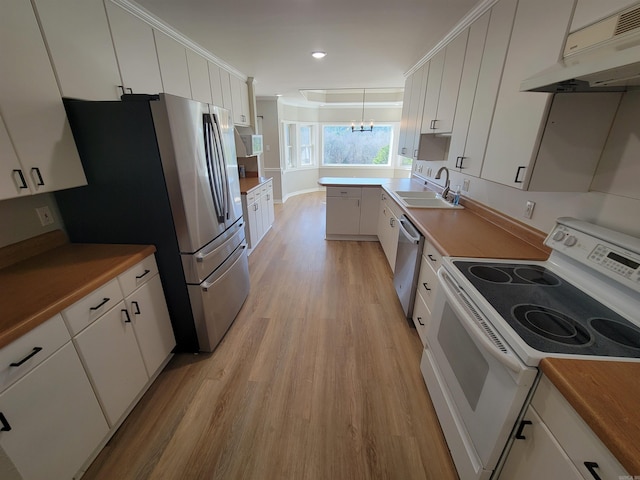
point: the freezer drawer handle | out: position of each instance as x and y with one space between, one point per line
145 272
126 314
137 310
523 424
104 300
591 466
5 425
33 352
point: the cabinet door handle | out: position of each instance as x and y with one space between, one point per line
431 258
23 182
143 274
459 161
518 175
433 124
426 286
33 352
104 300
392 222
39 181
523 424
5 424
404 150
415 153
137 310
126 314
591 466
420 321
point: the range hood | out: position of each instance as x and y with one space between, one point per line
248 144
602 57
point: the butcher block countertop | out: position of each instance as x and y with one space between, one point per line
249 183
475 231
40 277
607 397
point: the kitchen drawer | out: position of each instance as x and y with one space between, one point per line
575 436
421 317
137 275
350 192
31 349
93 306
427 281
431 254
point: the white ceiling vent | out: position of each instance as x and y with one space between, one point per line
620 24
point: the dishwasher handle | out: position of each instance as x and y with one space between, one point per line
405 225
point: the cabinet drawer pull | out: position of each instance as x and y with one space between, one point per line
5 424
518 175
432 258
426 286
591 466
23 182
420 321
145 272
137 310
40 181
33 352
523 424
126 314
104 300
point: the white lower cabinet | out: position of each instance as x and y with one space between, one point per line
388 228
352 212
552 441
51 420
257 207
110 354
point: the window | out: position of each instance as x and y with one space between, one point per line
299 145
341 146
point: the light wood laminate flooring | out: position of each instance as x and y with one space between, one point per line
317 379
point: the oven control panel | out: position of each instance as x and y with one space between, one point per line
613 254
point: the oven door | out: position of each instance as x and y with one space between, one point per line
478 386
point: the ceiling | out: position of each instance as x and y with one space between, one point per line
369 44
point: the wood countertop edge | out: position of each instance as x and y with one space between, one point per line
249 183
8 335
599 414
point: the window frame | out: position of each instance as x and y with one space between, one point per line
293 149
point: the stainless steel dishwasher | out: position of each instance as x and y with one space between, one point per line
410 244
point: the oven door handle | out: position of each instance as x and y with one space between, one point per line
447 287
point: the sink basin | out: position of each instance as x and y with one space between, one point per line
428 203
426 199
410 194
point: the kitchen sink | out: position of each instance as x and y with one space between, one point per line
424 199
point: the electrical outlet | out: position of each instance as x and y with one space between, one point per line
529 210
465 185
44 214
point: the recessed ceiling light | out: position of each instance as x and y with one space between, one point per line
318 54
278 94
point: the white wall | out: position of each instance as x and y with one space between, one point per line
19 220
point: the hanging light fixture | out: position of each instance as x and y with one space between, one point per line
362 128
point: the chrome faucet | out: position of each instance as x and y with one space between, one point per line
445 192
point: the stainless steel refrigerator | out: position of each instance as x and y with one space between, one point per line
162 170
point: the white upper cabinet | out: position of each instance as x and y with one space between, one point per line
77 35
527 133
413 102
215 84
135 50
31 107
198 77
172 57
443 85
404 119
458 157
486 90
225 83
12 180
240 100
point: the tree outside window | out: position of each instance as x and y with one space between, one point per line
341 146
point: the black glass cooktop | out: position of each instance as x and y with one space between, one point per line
549 313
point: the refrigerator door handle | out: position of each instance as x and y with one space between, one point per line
222 162
213 166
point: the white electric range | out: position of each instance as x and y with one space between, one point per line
494 320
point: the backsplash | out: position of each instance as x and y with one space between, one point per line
20 221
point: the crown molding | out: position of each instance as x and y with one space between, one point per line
476 12
159 24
